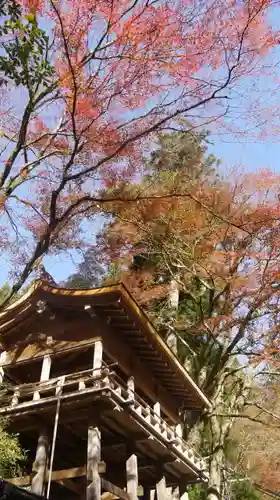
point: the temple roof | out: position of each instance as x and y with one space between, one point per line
116 306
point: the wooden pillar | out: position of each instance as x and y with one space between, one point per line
93 459
46 368
97 358
161 489
132 476
45 373
40 464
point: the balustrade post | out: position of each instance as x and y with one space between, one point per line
15 397
179 430
131 389
148 415
59 385
82 384
157 415
164 429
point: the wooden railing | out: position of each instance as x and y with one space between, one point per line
74 384
152 417
36 391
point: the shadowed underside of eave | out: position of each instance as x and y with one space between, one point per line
115 306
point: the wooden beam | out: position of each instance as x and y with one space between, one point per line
71 485
108 496
144 464
38 350
93 458
58 475
40 464
115 490
20 481
132 477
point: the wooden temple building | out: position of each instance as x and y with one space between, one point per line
96 396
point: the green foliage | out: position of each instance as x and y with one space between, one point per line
197 493
78 282
239 490
11 455
244 490
183 151
4 292
25 58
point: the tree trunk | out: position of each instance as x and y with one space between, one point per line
215 476
217 460
173 300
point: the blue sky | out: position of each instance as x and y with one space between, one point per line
253 156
